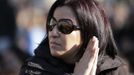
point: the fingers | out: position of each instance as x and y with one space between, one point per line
91 55
92 46
91 50
88 62
96 54
95 46
94 68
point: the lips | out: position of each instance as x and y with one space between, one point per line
54 43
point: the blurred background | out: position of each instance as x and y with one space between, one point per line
22 28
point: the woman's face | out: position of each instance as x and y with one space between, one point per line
64 44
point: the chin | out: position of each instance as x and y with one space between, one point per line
56 53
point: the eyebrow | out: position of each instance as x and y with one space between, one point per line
61 19
64 19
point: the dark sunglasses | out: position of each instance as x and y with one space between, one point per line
64 25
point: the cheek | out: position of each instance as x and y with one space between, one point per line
73 39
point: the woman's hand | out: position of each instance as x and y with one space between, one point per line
88 63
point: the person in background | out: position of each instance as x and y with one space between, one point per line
79 42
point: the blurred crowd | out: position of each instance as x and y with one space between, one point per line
22 28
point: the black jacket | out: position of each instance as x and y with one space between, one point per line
45 64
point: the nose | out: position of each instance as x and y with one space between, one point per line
54 33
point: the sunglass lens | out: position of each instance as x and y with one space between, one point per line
65 27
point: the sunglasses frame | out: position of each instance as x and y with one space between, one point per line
59 27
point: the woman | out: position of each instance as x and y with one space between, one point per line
79 42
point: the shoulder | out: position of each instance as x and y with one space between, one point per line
115 65
123 68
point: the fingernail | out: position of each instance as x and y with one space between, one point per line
94 38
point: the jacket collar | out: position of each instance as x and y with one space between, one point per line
109 63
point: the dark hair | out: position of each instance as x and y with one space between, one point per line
92 21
